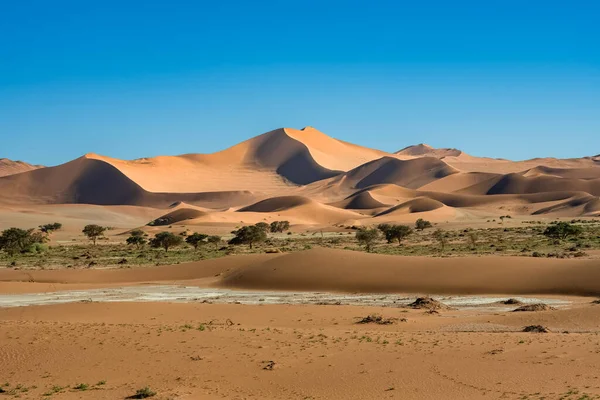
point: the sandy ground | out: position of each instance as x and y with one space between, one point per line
323 269
216 351
190 346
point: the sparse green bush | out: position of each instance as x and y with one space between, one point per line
367 237
165 240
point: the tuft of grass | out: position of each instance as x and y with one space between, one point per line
81 386
143 393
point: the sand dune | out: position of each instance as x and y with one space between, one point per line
90 181
422 149
313 178
339 270
349 271
516 183
10 167
360 201
301 210
407 173
418 205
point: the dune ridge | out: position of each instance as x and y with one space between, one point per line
313 179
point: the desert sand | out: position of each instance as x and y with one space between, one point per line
234 351
83 330
312 179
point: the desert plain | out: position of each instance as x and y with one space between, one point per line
484 302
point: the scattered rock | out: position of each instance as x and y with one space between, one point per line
512 301
328 303
596 301
535 307
269 365
122 261
379 320
536 329
428 303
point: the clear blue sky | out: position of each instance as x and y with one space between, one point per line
514 79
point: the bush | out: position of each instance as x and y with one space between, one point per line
165 240
421 224
15 240
93 232
367 237
249 235
143 393
562 230
136 237
196 239
279 226
214 239
49 228
395 232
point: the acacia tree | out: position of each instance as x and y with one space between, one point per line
263 226
249 235
15 240
196 239
367 237
48 229
136 237
214 239
279 226
562 230
93 232
398 232
165 240
421 224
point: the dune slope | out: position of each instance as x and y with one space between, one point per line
339 270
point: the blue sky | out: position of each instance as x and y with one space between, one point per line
128 79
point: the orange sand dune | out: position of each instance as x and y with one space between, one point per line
10 167
362 200
407 173
339 270
424 150
91 181
325 269
301 210
318 176
518 184
417 205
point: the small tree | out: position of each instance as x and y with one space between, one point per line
397 232
440 236
563 230
263 226
472 236
367 237
93 232
279 226
196 239
165 240
421 224
384 227
15 240
136 238
216 240
49 228
249 235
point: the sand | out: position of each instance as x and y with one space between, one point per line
215 351
339 183
323 269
